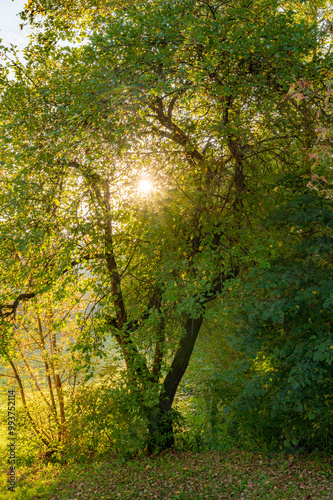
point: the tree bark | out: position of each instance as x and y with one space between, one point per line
161 417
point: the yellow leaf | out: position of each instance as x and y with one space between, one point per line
280 243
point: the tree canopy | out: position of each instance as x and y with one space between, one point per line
189 96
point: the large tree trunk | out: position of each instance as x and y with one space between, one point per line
161 417
160 427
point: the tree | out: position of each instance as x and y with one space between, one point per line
187 94
285 325
39 360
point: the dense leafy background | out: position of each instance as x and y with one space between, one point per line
226 109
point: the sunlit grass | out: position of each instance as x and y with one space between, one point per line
176 475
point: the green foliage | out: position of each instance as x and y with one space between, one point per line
104 420
192 96
267 382
28 447
285 330
213 381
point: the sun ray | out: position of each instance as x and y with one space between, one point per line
145 186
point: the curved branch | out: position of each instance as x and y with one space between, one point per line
8 310
12 308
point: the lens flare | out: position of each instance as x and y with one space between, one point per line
145 186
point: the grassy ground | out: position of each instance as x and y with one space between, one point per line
179 475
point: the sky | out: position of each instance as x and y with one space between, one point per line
10 23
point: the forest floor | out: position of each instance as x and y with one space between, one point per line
180 475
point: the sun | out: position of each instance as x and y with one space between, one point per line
145 186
